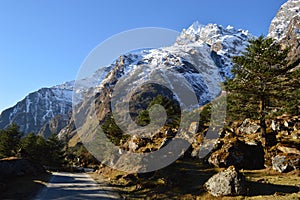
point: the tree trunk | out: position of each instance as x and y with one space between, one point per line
262 120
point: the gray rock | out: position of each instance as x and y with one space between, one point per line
285 162
226 183
274 126
249 127
54 126
193 127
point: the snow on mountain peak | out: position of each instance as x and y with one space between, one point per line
208 34
65 86
224 42
195 28
286 13
205 49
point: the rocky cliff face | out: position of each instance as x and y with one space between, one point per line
285 28
223 42
292 38
286 14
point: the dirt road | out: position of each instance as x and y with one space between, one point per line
74 186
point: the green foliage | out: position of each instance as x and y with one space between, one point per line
263 84
10 141
116 135
55 151
46 152
32 149
292 91
172 110
112 131
80 156
143 118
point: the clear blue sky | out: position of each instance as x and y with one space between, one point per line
44 42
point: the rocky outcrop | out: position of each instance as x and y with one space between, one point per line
226 183
287 128
240 154
288 150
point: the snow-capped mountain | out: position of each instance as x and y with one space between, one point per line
197 62
38 108
223 42
284 16
48 110
201 55
188 73
204 50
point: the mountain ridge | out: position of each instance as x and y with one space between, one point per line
219 43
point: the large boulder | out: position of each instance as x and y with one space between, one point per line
226 183
240 154
285 162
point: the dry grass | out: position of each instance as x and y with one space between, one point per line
184 180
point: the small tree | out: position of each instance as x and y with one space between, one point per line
29 145
262 83
36 148
112 131
172 109
55 151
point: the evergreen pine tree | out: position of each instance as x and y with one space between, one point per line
263 83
